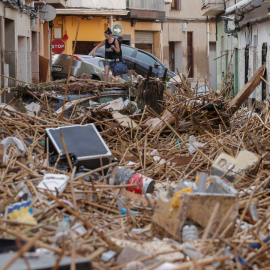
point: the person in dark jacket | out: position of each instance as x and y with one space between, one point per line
112 50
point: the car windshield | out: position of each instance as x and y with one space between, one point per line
127 50
147 59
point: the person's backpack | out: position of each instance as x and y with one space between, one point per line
120 40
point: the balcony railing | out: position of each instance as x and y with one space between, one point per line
155 5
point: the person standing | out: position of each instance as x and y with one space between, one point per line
112 51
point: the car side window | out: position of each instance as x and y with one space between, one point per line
146 58
127 50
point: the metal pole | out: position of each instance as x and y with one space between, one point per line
51 56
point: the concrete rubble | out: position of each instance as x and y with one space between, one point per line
93 177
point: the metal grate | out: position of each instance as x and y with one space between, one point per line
158 5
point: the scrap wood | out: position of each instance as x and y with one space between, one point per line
161 154
249 87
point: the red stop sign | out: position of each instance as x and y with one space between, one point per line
58 46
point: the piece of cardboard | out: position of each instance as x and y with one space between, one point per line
246 161
44 63
124 120
168 222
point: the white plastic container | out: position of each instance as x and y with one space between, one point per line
52 182
62 231
7 142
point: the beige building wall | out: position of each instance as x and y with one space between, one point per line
21 46
15 45
172 31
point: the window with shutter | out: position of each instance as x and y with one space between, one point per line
176 5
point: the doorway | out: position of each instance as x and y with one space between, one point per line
171 56
213 65
126 40
22 59
10 54
34 58
264 59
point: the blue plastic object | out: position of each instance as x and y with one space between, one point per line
258 245
178 143
17 206
124 211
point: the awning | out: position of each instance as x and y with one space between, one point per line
100 12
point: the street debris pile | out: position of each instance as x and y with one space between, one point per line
181 182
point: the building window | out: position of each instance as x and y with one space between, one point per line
176 5
190 54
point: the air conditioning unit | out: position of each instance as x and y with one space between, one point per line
168 1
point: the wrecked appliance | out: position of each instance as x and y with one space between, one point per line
84 141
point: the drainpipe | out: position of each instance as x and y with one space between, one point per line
240 9
244 5
111 22
207 35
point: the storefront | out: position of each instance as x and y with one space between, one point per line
143 35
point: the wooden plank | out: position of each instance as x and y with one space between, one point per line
1 152
43 68
249 87
153 96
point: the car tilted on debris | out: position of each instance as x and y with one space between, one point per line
136 59
139 60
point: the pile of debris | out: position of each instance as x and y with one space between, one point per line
115 186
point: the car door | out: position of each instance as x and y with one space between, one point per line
143 57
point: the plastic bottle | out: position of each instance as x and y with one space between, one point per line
62 231
192 139
189 233
24 191
121 206
191 251
119 203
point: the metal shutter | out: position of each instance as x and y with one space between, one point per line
146 37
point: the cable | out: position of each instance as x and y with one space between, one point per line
20 8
